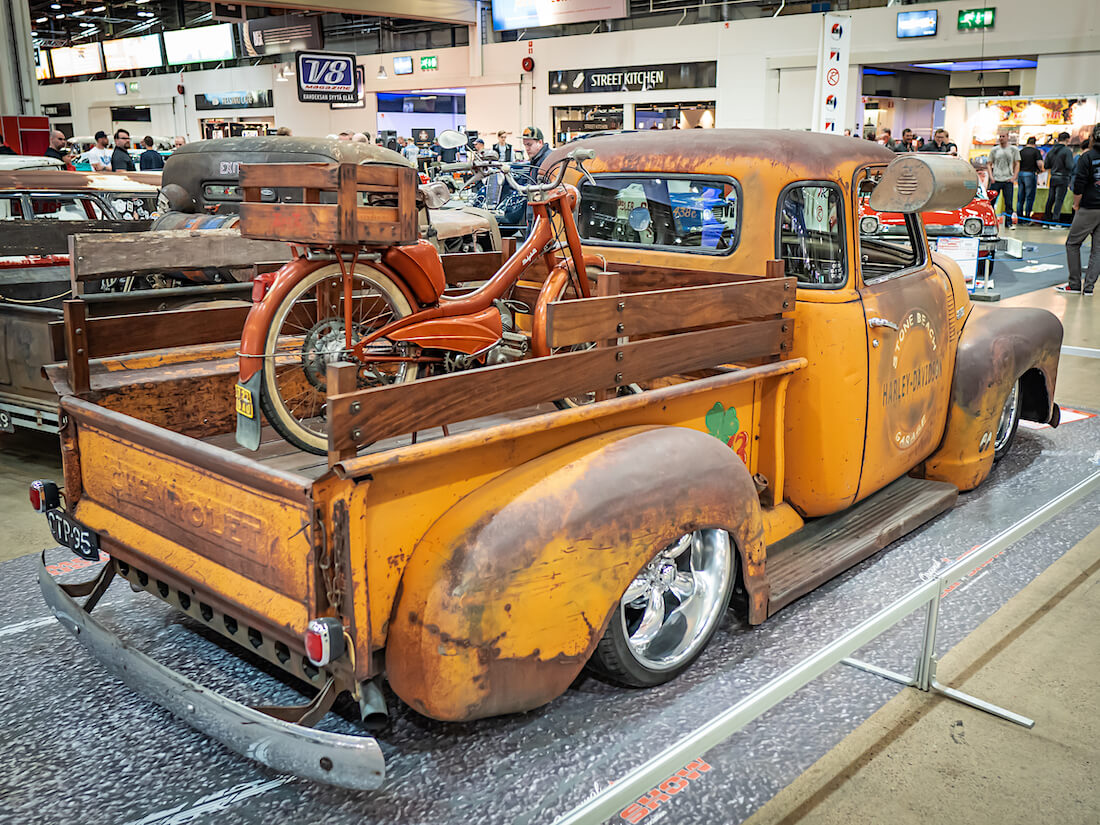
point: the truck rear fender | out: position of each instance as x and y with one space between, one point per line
997 347
507 594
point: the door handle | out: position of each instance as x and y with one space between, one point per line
881 322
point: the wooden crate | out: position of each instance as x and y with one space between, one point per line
343 223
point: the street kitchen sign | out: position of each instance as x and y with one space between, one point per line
703 75
326 77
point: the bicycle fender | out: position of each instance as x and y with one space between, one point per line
507 594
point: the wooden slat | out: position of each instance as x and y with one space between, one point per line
122 334
97 256
645 313
44 237
318 223
403 408
76 341
645 278
377 174
288 175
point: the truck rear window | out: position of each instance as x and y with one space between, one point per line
701 215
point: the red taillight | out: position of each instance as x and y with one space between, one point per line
324 640
44 496
260 285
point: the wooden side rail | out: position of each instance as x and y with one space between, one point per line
645 313
79 338
385 412
98 256
30 237
345 222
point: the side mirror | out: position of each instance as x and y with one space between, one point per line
450 139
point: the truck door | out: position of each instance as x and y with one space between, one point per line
907 306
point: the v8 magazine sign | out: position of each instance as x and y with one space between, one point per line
326 77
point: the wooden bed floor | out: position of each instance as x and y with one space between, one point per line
279 454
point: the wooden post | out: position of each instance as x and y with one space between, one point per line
347 198
340 379
607 283
76 344
507 249
76 286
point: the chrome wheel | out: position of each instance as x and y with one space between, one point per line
669 611
1006 426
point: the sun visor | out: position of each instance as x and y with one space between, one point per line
922 182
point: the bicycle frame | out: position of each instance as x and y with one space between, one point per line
449 320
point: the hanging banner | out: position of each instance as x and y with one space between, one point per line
831 90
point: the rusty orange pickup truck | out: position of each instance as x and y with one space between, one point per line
776 397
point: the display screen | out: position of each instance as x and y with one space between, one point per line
200 45
132 53
402 65
75 60
917 23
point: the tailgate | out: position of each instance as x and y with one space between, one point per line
206 522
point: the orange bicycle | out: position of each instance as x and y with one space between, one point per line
384 309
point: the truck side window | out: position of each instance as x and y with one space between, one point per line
11 208
886 239
811 235
688 214
66 208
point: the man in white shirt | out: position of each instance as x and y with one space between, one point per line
1004 167
411 150
99 156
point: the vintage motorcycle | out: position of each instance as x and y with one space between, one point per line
385 309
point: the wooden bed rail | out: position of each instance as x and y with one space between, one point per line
362 417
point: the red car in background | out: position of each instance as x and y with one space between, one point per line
976 219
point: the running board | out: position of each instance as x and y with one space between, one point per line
831 544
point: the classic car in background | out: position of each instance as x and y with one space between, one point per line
975 220
201 189
39 210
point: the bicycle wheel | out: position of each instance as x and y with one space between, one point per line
307 334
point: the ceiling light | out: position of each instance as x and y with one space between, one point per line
98 9
382 73
145 14
87 25
78 13
41 19
55 5
60 17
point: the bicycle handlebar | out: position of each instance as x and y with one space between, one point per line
481 166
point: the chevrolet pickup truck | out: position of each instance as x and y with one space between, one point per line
809 395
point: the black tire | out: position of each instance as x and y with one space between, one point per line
622 656
1008 422
298 372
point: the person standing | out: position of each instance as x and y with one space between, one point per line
150 160
938 143
503 148
410 150
99 156
182 141
887 139
1086 221
534 144
120 158
906 142
1059 162
1031 164
57 143
1004 166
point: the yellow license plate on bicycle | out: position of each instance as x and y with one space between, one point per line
244 402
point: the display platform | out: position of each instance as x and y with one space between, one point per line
81 746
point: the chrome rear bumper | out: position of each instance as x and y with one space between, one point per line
354 762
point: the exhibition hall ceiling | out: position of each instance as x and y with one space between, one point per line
72 22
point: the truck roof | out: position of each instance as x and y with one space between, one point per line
689 151
340 151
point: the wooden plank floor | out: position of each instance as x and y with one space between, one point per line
279 454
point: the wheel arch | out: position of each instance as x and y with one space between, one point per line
997 347
509 592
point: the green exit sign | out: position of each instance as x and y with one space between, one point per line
135 86
976 19
429 63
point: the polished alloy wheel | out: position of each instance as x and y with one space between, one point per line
670 610
1006 427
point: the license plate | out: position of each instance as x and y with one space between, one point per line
6 424
244 402
73 534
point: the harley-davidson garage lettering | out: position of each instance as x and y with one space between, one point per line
725 413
